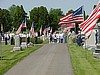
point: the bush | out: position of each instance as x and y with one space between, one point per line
39 41
32 40
74 40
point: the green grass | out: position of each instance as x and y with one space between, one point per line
11 58
83 61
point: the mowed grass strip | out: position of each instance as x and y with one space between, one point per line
83 61
9 59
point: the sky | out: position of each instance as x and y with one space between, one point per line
64 5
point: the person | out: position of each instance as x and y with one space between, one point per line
61 37
6 39
35 38
79 40
69 37
96 37
50 38
58 37
55 37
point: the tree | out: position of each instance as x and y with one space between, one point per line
17 14
54 17
70 11
34 16
5 19
39 15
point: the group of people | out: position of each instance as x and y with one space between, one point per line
78 38
59 37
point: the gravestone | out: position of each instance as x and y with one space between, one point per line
17 43
96 51
90 43
24 41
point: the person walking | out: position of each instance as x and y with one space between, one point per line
50 38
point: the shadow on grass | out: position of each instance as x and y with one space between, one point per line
3 58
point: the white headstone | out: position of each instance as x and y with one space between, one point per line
17 43
24 41
91 41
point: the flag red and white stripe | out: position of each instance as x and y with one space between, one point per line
88 25
41 30
32 30
75 16
51 30
66 19
68 25
23 25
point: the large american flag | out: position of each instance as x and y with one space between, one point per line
68 25
88 25
32 30
76 16
23 25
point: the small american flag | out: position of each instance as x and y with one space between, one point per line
23 25
32 30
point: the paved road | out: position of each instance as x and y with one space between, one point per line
51 59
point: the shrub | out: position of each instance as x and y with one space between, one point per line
39 41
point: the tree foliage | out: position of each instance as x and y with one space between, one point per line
13 17
54 17
39 15
17 14
5 19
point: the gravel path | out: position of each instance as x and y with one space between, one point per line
51 59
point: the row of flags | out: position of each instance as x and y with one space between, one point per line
23 25
69 21
77 17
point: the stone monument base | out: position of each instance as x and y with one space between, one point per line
24 45
16 49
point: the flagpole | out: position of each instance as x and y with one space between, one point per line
85 35
26 35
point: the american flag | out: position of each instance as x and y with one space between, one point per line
32 30
41 30
75 16
68 25
66 19
23 25
51 30
88 25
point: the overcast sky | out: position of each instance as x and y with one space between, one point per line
65 5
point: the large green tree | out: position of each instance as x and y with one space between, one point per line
54 17
39 15
17 14
5 19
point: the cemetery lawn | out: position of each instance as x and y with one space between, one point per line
9 59
83 62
